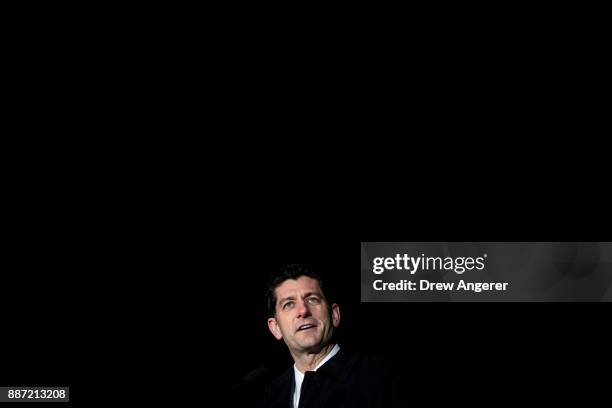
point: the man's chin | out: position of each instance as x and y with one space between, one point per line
311 344
312 347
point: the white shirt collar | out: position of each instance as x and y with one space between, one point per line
299 376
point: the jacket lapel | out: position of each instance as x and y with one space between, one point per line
280 391
320 389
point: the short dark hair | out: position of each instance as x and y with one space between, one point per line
293 271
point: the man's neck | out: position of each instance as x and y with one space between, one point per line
309 361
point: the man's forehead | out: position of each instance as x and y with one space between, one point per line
303 283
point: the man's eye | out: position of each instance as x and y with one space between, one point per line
287 305
313 300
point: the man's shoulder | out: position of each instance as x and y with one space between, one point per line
349 362
375 364
346 363
284 378
367 378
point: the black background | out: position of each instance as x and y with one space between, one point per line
410 151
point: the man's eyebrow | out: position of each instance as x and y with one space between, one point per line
305 295
287 298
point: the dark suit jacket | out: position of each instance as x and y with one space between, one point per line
347 380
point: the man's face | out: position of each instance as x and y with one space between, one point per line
302 317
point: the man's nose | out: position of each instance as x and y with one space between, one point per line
302 309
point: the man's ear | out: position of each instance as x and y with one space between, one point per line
274 329
335 315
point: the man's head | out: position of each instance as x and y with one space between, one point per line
300 312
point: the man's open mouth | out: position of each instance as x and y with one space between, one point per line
306 327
